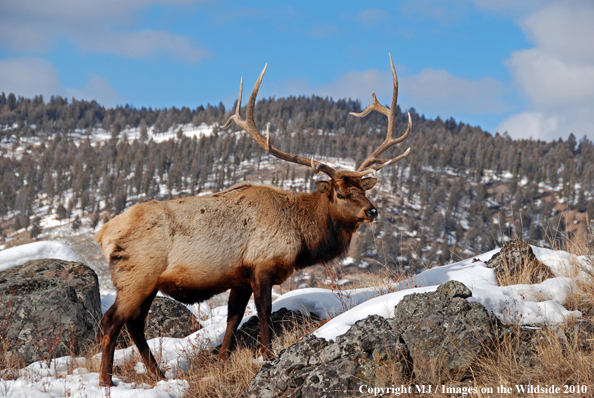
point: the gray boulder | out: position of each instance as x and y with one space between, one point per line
444 333
48 308
166 318
433 338
369 352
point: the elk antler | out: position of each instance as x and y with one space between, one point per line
389 141
249 125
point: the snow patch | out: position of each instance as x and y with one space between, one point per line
35 251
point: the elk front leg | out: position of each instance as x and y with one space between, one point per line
238 299
262 287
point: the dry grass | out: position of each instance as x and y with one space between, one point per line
209 378
555 360
552 355
8 361
524 274
560 356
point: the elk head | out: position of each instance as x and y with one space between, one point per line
346 194
345 189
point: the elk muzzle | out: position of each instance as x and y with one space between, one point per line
368 215
372 213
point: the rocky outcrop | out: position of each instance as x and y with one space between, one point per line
433 337
368 352
48 308
516 263
444 333
168 318
283 321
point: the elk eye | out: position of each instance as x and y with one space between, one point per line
339 195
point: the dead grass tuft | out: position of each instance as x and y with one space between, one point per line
209 378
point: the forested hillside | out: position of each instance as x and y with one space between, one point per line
461 190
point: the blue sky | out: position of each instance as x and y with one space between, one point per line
526 67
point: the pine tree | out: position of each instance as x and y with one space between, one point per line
62 212
35 227
76 224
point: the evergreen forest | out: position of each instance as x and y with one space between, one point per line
461 191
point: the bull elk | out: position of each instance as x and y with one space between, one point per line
246 238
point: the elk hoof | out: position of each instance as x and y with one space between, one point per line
109 383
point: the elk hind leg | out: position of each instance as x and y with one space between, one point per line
135 327
111 324
238 299
262 286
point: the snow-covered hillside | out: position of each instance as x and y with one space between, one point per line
429 212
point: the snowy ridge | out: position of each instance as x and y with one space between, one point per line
516 304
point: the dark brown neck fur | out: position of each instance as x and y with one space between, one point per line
324 237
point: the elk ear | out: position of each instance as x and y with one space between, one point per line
368 183
323 186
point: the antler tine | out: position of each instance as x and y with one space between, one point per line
249 113
249 125
235 117
389 141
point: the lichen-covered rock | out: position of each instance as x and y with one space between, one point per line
48 308
443 332
454 289
283 320
314 367
516 263
168 318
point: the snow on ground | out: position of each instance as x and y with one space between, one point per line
517 304
538 304
35 251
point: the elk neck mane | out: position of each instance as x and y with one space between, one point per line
324 237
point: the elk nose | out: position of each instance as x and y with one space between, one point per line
371 213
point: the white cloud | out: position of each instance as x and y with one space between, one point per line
557 75
511 8
94 26
354 85
324 30
431 91
96 88
529 125
372 16
549 79
145 44
358 85
565 29
438 91
29 77
550 125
